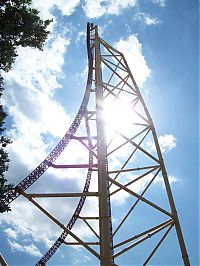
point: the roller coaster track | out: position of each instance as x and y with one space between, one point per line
37 172
34 175
112 83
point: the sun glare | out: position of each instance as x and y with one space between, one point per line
118 116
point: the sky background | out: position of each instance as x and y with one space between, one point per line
44 89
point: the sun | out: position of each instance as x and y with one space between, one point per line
118 116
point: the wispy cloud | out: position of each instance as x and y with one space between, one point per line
160 2
98 8
146 19
29 249
10 233
81 36
167 143
172 179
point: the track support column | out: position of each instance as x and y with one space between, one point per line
106 258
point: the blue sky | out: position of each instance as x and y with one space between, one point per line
159 38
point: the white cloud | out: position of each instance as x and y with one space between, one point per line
40 68
11 233
98 8
132 50
45 7
160 2
29 249
121 197
81 36
138 187
171 179
167 143
37 117
115 6
29 222
94 9
146 19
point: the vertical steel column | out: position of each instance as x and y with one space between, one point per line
104 222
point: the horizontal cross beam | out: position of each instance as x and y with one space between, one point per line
61 195
71 165
76 238
76 243
88 218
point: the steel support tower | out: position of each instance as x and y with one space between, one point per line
124 161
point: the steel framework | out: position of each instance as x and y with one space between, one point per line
123 155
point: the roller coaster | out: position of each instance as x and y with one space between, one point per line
114 126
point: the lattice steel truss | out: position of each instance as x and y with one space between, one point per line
124 157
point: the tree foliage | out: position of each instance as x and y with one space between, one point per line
4 160
20 26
